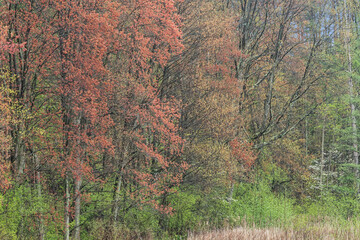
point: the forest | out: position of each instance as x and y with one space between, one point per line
179 119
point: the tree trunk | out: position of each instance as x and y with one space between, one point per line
67 209
20 151
78 182
322 153
38 183
118 187
306 136
231 193
351 92
117 199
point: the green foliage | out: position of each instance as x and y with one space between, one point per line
256 204
195 211
344 207
20 208
7 225
186 212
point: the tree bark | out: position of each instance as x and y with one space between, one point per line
78 182
322 153
117 199
351 92
231 193
118 187
67 209
20 151
38 183
306 136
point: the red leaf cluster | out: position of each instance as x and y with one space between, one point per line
242 151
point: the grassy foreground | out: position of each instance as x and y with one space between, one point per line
311 230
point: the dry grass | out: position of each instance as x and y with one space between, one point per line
302 227
311 231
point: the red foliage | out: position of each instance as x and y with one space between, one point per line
5 114
242 152
65 85
4 142
83 85
148 35
6 46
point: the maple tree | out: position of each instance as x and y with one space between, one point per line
82 87
148 126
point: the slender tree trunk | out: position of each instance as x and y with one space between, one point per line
20 151
351 92
117 199
329 169
306 136
231 193
269 95
118 187
38 182
78 182
67 209
322 153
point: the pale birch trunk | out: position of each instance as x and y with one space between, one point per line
78 182
20 151
117 199
67 209
231 193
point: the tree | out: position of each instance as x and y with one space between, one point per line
147 142
83 33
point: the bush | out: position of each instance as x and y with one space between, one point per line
256 204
